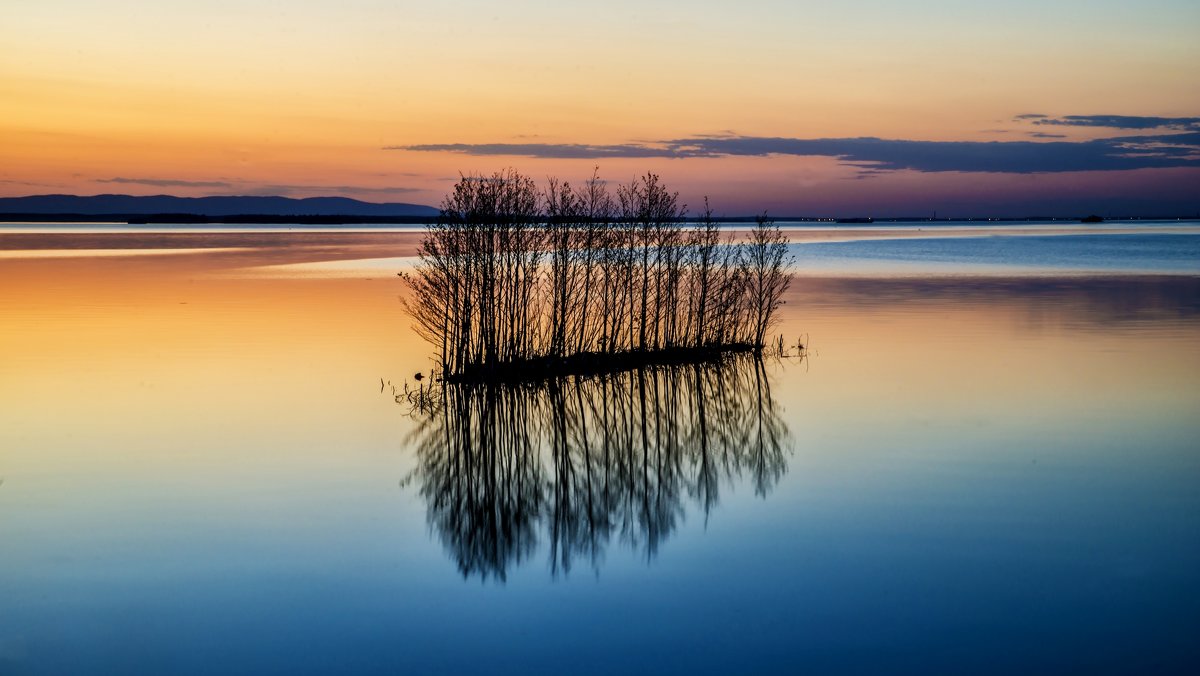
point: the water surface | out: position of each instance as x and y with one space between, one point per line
1010 253
985 469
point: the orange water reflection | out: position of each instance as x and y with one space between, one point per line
191 365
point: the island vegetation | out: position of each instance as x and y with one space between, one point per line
517 282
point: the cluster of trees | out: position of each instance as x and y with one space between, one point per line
577 463
512 274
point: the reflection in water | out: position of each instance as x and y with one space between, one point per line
1083 302
583 461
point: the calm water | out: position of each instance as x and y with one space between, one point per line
1120 253
988 462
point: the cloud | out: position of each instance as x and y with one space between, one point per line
37 184
1042 134
166 182
726 133
257 189
1120 122
570 151
290 188
876 154
869 172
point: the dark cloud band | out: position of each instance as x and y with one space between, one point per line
876 154
1118 121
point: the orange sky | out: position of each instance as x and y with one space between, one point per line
300 98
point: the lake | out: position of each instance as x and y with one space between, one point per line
986 461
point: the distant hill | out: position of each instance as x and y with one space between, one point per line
96 205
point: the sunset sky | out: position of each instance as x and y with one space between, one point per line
802 108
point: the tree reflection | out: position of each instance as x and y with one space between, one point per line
582 462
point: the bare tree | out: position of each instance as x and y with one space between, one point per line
513 281
767 261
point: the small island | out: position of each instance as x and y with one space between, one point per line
517 283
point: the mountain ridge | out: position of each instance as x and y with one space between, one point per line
212 206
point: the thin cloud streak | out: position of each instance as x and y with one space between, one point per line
165 182
570 151
257 189
288 189
1119 122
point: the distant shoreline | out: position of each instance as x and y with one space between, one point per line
277 219
200 219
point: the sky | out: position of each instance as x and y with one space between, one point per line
855 108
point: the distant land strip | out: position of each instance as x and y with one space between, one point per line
352 219
218 209
234 219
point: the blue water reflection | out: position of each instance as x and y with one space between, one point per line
984 474
1131 253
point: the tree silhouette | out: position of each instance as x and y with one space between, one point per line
579 462
516 282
